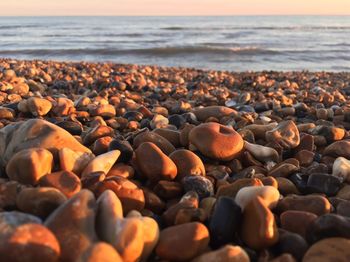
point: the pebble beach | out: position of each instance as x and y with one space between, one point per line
121 162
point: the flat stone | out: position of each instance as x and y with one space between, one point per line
182 242
9 221
214 111
316 204
102 163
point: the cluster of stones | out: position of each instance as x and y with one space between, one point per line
104 162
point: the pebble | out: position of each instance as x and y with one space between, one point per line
285 133
291 243
154 164
40 201
126 150
259 228
204 113
130 194
341 169
231 190
328 225
315 204
102 163
100 251
73 160
292 132
65 181
35 132
338 149
187 163
73 224
166 147
269 194
29 165
323 183
225 222
216 141
199 184
38 106
297 221
227 253
182 242
262 153
329 249
150 234
30 242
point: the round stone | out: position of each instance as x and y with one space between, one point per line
187 163
216 141
269 194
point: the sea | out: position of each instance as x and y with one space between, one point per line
230 43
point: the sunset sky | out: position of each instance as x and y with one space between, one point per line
174 7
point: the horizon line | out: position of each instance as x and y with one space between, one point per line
170 15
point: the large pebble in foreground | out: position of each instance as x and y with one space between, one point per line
182 242
29 242
329 250
216 141
73 223
35 133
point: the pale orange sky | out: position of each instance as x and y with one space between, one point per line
174 7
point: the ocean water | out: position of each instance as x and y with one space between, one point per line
238 43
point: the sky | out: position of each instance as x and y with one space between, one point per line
173 7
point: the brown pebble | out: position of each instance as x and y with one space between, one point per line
182 242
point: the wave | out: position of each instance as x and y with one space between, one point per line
178 28
157 51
